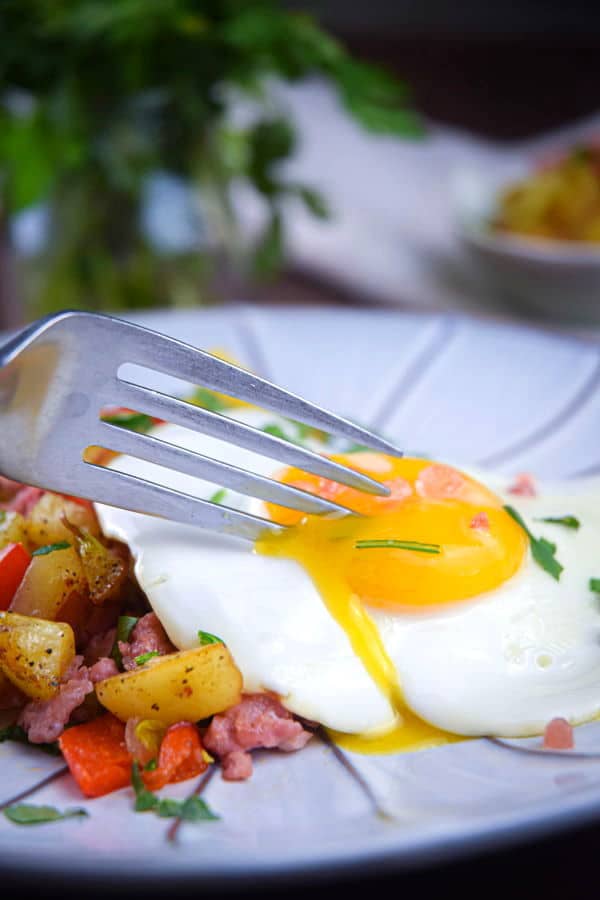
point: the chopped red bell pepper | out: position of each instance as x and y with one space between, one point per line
97 755
181 756
14 560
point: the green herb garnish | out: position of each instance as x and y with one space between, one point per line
131 421
207 400
125 625
567 521
218 496
16 733
205 637
543 551
151 766
2 516
399 545
595 585
50 548
194 809
278 432
144 657
29 814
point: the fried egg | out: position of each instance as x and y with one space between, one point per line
389 647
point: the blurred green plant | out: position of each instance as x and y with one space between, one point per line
95 95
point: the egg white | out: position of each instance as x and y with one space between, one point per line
503 664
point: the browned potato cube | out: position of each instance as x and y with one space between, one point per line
189 685
52 584
35 653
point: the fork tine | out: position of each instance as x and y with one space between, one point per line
173 357
162 453
110 487
187 415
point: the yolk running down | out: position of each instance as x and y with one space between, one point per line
476 547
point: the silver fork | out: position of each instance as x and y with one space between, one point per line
59 373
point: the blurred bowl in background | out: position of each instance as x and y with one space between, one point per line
553 278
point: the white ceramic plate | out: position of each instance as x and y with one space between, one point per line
503 396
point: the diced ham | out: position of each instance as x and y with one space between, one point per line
8 488
104 668
44 720
148 636
439 482
480 521
400 490
558 735
99 646
259 720
24 500
237 766
523 486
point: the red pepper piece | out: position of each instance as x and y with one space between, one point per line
181 756
14 560
97 755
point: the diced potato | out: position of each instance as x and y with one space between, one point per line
53 587
189 685
35 653
13 529
45 525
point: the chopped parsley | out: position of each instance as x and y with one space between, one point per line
50 548
595 585
567 521
131 421
194 809
2 516
144 657
218 496
205 637
30 814
150 766
417 546
125 625
207 400
543 551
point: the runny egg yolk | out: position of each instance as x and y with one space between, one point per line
474 546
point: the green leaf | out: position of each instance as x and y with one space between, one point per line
543 551
567 521
417 546
29 814
595 585
218 496
145 800
139 422
269 251
314 202
195 809
143 658
205 637
50 548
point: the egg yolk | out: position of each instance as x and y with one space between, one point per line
438 538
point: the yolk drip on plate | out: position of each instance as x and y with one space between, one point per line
473 547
